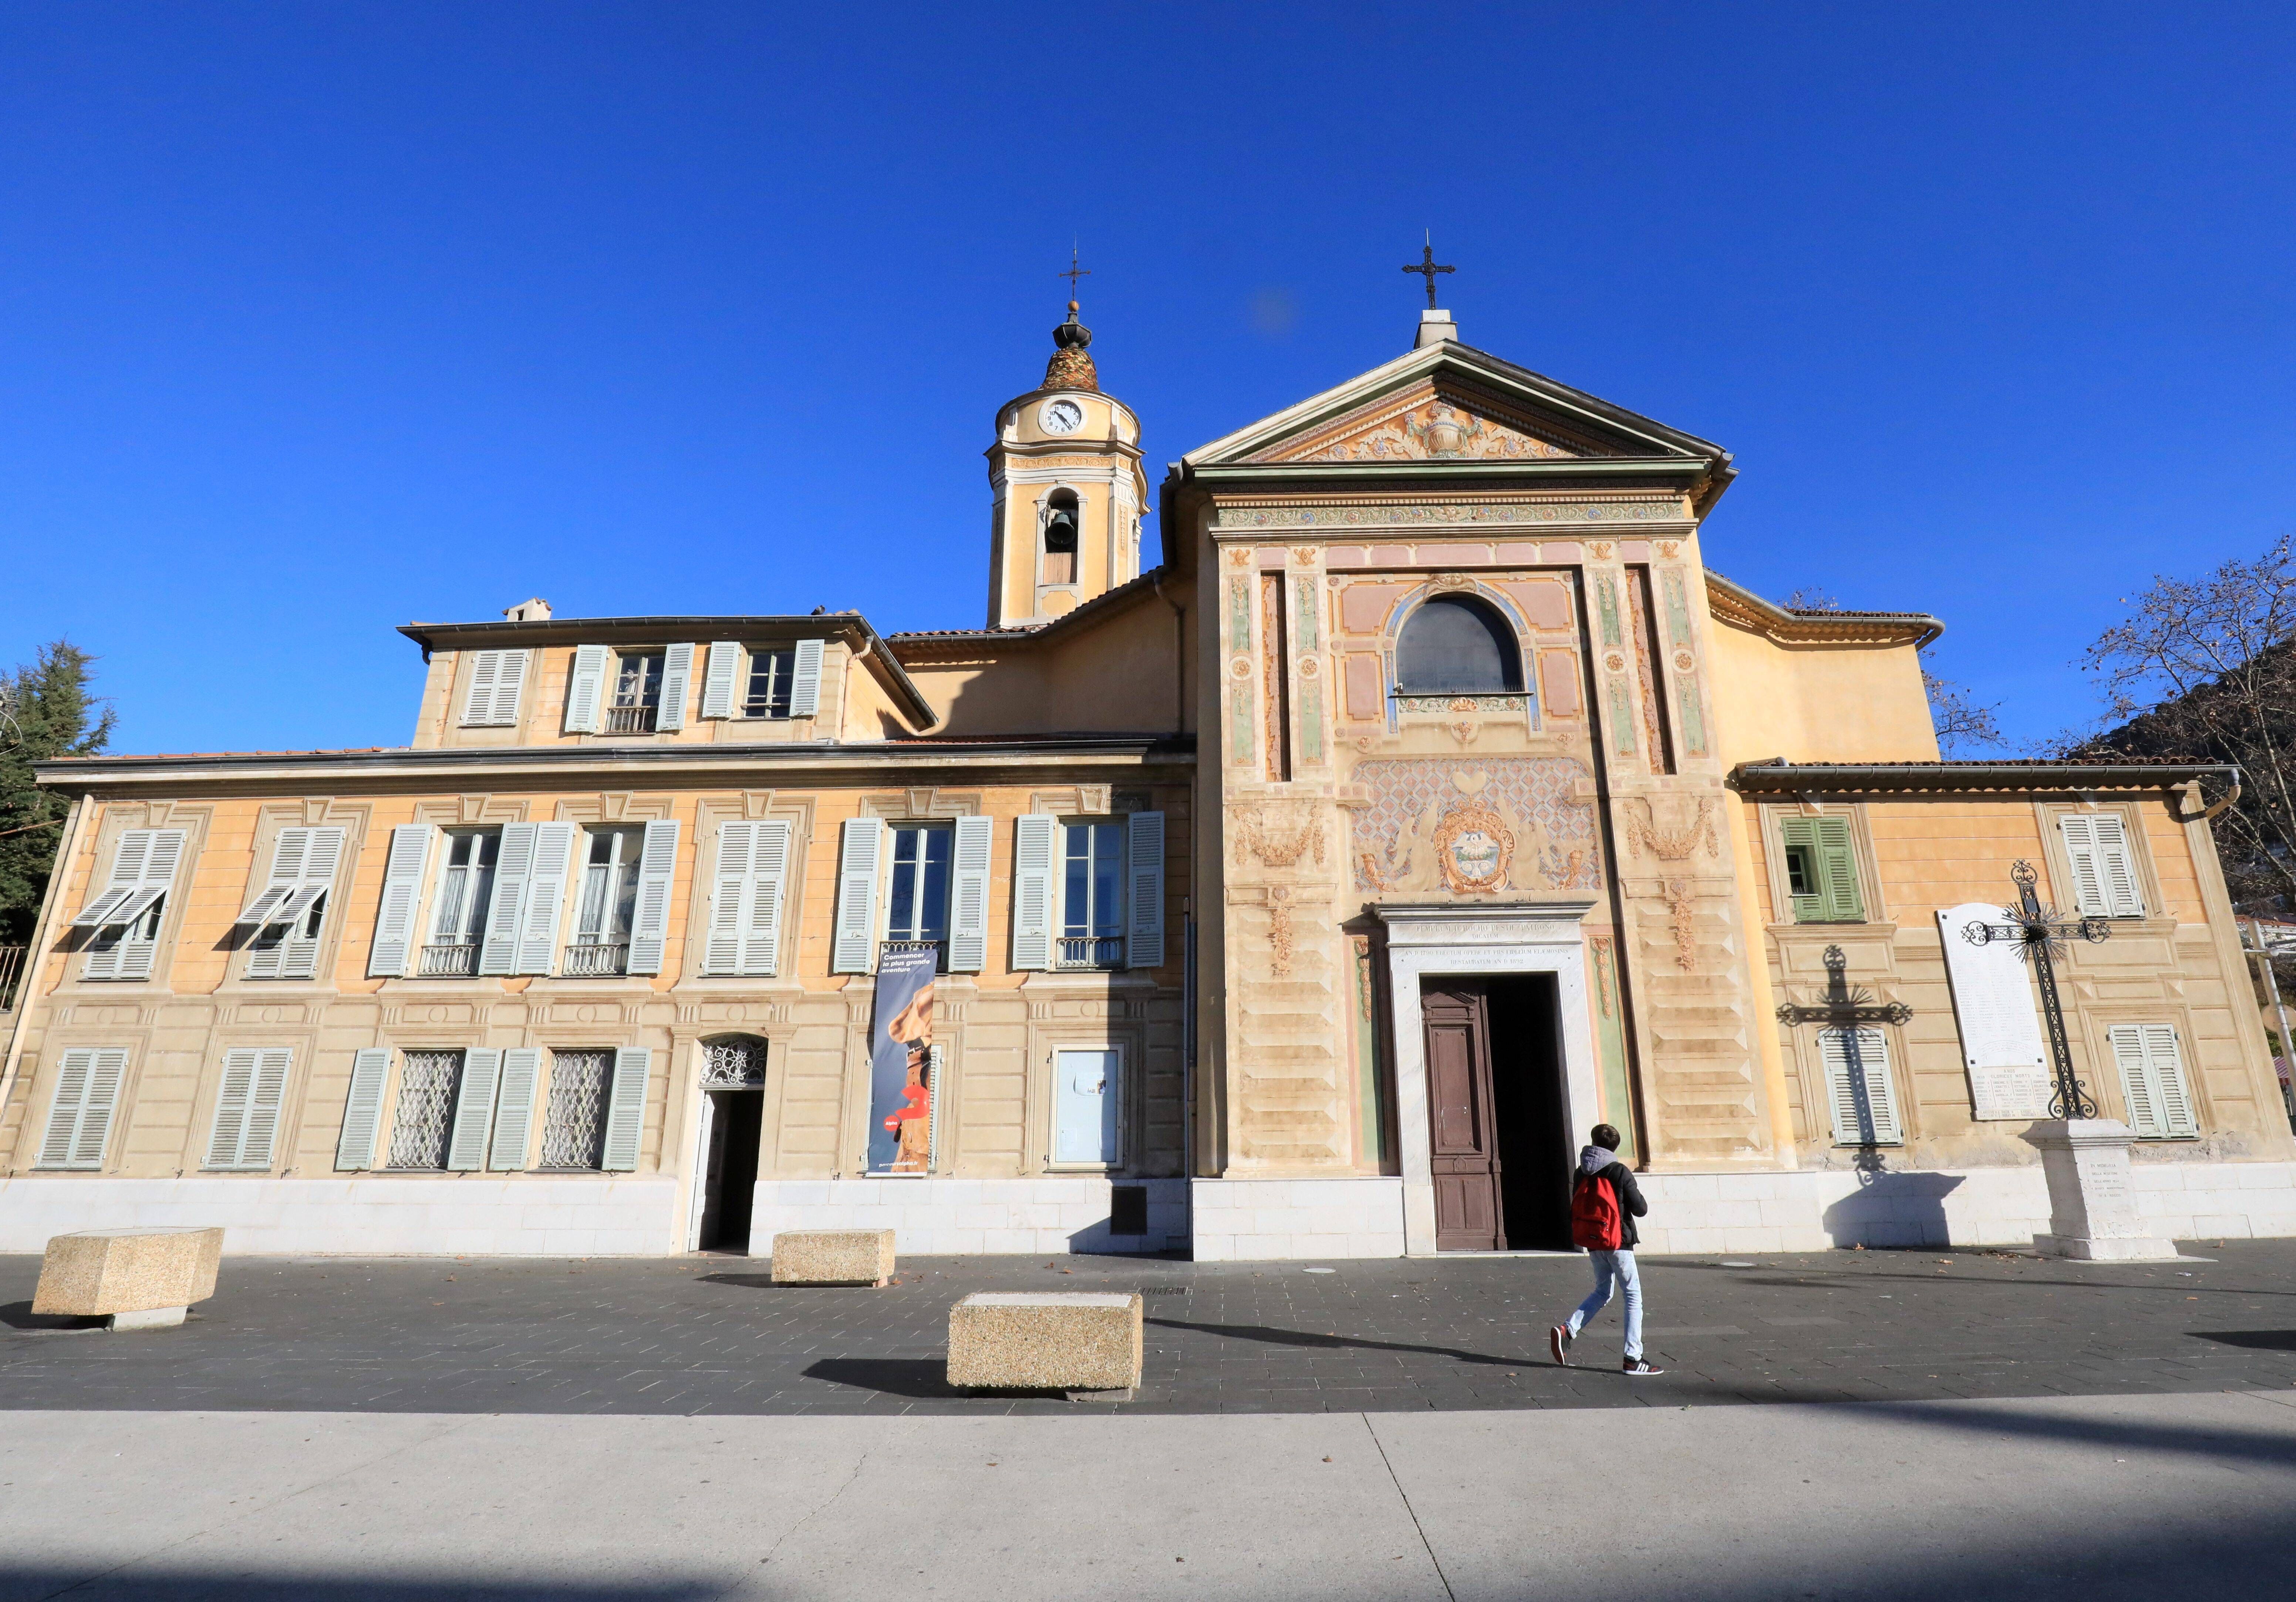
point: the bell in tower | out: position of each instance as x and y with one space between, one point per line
1065 471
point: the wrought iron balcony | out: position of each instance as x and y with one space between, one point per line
629 719
596 961
449 962
940 947
1090 951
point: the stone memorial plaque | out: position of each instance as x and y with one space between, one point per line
2001 1042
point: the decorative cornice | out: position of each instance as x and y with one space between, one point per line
1780 777
1741 608
1523 513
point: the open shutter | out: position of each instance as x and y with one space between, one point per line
231 1104
522 1072
1143 862
1859 1088
804 680
585 689
496 677
650 923
474 1106
299 954
729 911
259 1130
1800 835
625 1113
143 869
545 896
505 914
1837 865
392 954
855 942
718 679
761 939
2079 832
363 1111
79 1118
286 876
677 684
2116 867
127 859
1034 835
968 923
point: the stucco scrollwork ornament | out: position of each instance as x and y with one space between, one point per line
1600 549
1669 549
1254 838
1473 849
1675 845
1679 904
1282 941
1240 557
1451 581
1303 554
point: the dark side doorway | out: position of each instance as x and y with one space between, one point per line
1502 1152
729 1184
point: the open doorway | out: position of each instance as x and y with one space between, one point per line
733 1118
1498 1123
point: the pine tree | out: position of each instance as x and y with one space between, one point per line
45 713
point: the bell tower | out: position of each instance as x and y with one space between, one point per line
1068 492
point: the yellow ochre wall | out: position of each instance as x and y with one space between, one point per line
1818 703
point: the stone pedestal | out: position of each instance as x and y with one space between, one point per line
138 1279
833 1257
2092 1202
1080 1342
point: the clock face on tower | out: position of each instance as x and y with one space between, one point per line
1060 417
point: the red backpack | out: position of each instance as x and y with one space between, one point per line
1596 1222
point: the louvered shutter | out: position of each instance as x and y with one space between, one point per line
142 869
286 877
546 897
1035 835
855 942
392 955
657 871
2116 867
79 1118
474 1108
625 1113
363 1110
299 954
769 860
259 1127
677 682
968 923
128 859
1143 862
1838 870
804 680
232 1103
1863 1098
585 689
506 912
2153 1081
1800 834
718 679
496 678
729 909
521 1072
2079 832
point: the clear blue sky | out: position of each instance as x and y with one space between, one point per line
318 318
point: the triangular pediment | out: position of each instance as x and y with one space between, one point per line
1451 403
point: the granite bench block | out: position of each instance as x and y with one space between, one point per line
94 1273
1045 1341
832 1257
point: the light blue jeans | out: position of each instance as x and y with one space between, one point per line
1614 1267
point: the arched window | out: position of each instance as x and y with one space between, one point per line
1455 645
1061 538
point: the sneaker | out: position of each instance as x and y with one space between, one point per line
1636 1366
1558 1342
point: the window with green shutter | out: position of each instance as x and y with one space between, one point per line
1822 870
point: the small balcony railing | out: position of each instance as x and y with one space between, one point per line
1090 951
596 961
449 962
629 719
939 948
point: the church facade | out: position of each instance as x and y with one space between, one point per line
1306 892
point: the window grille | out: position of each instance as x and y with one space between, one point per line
771 674
733 1064
1092 896
574 1126
425 1118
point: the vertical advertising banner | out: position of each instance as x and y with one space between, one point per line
900 1063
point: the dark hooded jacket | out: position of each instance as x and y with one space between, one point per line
1596 1164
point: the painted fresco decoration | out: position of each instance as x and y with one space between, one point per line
1510 824
1422 424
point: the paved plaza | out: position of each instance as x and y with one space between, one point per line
1940 1425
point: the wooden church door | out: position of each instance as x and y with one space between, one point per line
1456 1022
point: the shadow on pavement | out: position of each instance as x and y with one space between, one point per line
1295 1337
180 1585
918 1376
2255 1340
18 1315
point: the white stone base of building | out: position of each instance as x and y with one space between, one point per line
949 1217
471 1215
1240 1220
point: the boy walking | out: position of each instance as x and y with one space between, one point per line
1604 1204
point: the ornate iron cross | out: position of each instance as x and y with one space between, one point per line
2041 937
1844 1007
1428 269
1073 273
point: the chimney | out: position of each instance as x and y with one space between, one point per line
1434 328
536 611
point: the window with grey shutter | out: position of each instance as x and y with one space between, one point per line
506 903
474 1110
247 1108
289 915
1859 1089
676 683
804 680
722 668
626 1118
746 896
125 916
392 955
968 924
2152 1083
854 946
657 874
586 688
521 1075
363 1110
1034 836
1144 866
545 896
2103 870
79 1118
497 679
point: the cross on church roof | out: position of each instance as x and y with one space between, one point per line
1073 273
1427 268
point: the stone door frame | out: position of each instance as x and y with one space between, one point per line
1524 936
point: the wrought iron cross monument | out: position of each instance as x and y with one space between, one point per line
2041 937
